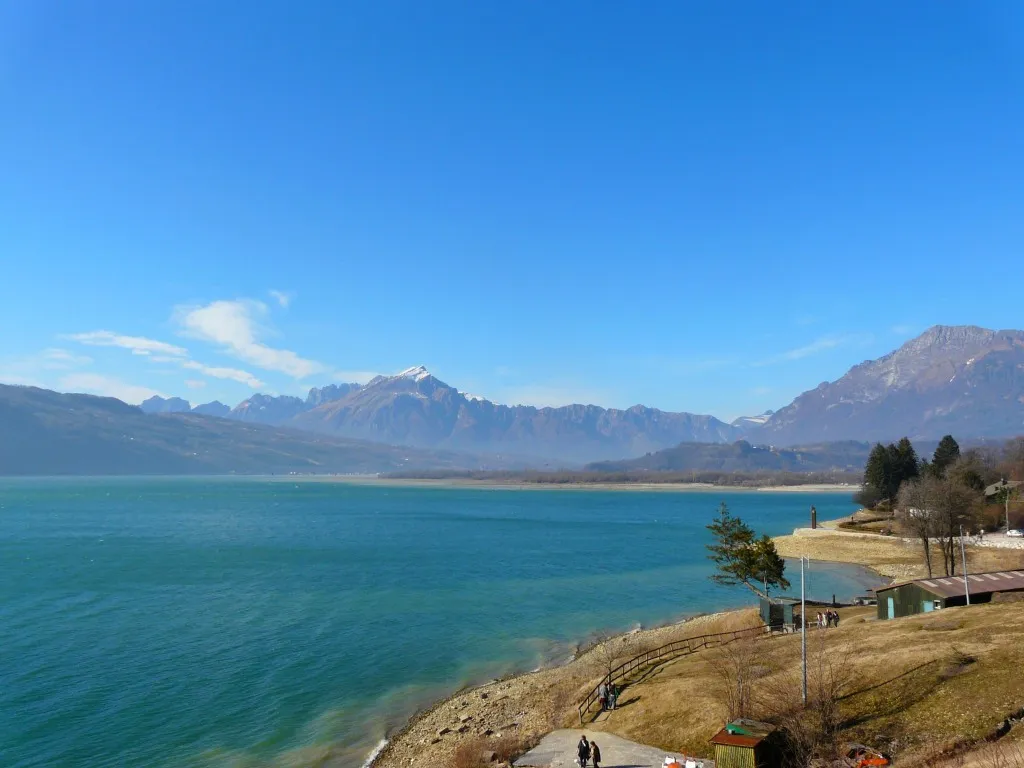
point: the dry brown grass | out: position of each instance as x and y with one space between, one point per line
889 556
913 693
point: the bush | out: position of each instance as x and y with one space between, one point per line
868 497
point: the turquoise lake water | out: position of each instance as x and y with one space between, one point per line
244 622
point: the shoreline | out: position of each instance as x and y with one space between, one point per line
521 485
417 736
519 688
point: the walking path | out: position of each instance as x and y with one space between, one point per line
558 750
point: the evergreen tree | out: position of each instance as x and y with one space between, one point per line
947 452
878 469
742 558
889 466
906 466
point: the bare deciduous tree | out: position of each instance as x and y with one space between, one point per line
813 732
738 666
934 509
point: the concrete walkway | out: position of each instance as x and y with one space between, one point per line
558 750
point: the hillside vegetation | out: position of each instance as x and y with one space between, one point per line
914 688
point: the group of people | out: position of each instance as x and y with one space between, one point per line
607 695
829 618
588 750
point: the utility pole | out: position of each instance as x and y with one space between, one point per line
963 556
1006 500
803 629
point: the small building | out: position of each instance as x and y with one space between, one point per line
1003 486
777 613
924 595
747 744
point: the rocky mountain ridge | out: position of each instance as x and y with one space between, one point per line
50 433
964 380
961 380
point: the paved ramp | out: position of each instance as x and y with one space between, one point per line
558 750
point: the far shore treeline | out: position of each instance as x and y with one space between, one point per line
939 500
570 477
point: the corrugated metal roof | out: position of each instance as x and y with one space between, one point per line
980 583
743 733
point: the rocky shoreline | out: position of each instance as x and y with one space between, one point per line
514 712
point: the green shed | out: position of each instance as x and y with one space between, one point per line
936 593
747 744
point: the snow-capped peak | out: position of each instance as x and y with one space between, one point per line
417 373
478 398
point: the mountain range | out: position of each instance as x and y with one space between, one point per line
963 380
960 380
49 433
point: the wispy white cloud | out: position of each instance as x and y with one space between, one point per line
108 386
155 352
816 347
138 345
283 298
235 327
231 374
195 383
17 379
35 370
60 359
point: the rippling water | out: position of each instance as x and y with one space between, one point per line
241 622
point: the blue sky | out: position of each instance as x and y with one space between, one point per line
696 206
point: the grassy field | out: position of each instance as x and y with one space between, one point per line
915 687
889 556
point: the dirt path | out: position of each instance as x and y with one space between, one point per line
558 750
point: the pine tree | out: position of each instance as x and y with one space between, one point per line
878 469
947 452
742 558
907 467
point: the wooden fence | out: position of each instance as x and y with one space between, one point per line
682 647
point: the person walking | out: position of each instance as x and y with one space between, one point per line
595 754
835 618
602 695
583 751
613 696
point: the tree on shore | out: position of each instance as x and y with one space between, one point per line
935 510
887 468
946 454
741 557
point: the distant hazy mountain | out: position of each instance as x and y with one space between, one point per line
268 409
281 409
48 433
741 456
320 395
960 380
216 408
752 422
416 408
157 404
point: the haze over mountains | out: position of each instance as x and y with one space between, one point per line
50 433
963 380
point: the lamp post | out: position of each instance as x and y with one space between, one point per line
803 629
963 556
